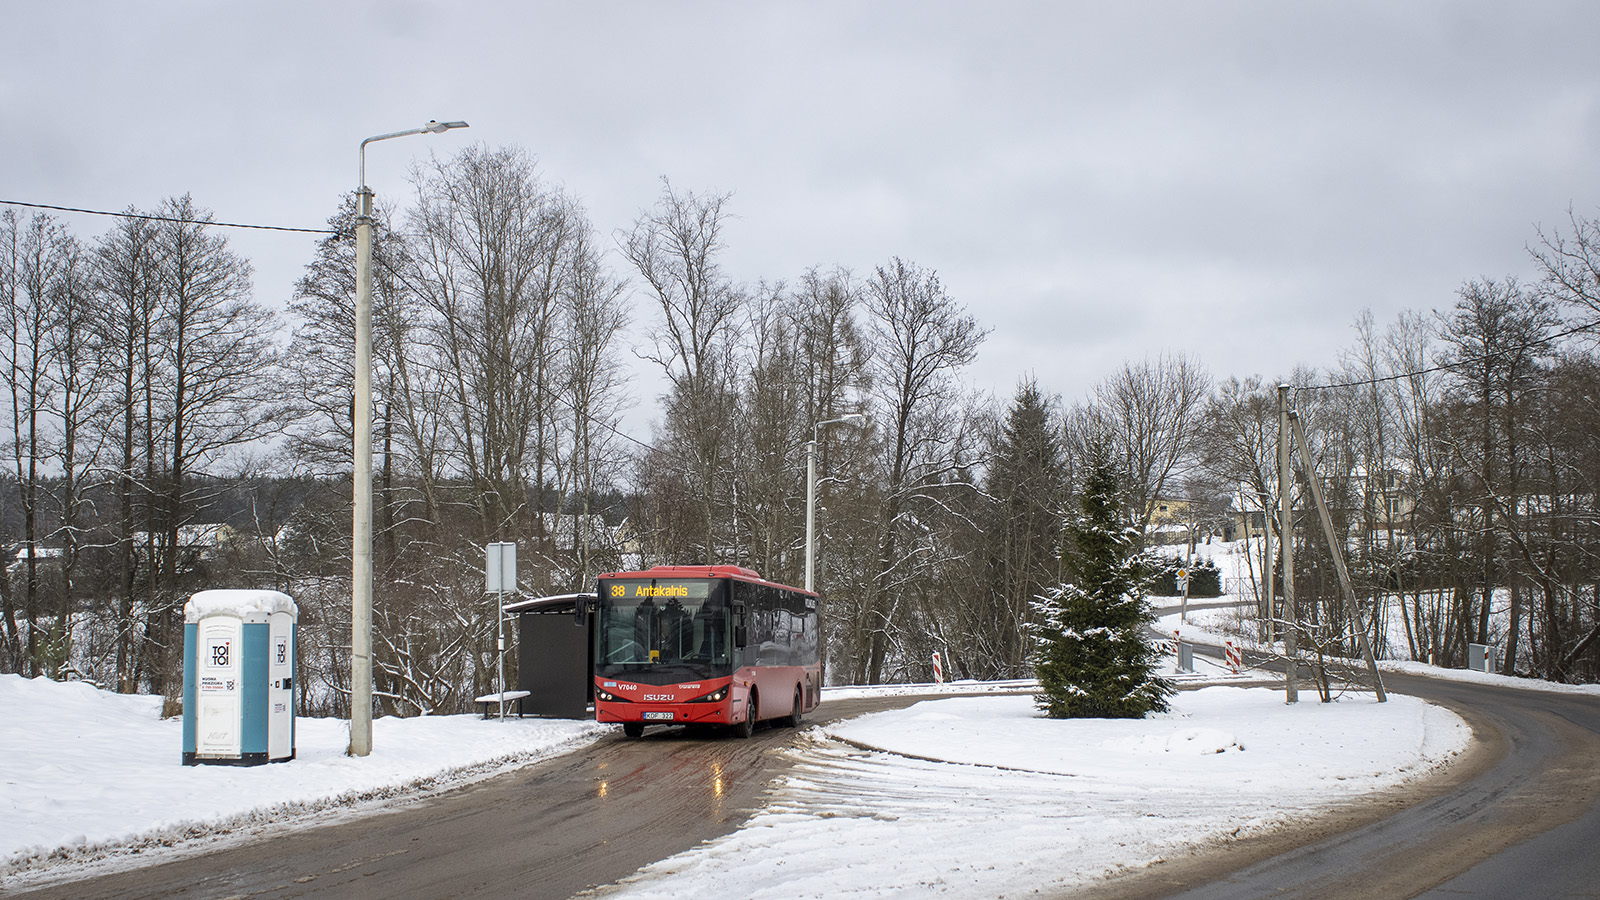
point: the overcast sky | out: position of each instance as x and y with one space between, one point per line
1096 182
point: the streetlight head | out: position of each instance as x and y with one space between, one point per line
436 127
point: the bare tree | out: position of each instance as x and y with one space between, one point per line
832 347
833 361
1495 338
33 257
320 378
80 375
1150 416
216 345
126 283
322 347
1570 263
492 251
675 249
922 339
769 433
593 317
1239 444
1420 504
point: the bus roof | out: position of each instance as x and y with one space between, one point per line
738 572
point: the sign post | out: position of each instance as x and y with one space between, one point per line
500 575
1183 584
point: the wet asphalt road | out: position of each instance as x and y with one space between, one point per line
1520 818
550 830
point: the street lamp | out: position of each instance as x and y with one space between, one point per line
361 525
811 489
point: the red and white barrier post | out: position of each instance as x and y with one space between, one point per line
938 669
1235 658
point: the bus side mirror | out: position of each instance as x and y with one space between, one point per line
740 636
580 609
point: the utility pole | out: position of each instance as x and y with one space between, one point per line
1266 568
1338 557
1291 649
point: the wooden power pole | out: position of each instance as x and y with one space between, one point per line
1337 551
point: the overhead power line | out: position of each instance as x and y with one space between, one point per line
147 217
1443 367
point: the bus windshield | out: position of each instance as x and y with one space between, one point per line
670 626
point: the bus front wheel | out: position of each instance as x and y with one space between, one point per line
748 726
633 729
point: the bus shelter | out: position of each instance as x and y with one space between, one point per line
555 655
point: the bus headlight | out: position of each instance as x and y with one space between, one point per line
716 696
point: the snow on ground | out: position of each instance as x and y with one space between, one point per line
1214 626
84 770
948 687
1510 681
974 795
981 797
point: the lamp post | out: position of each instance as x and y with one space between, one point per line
811 491
361 525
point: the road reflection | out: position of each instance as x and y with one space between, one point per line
680 772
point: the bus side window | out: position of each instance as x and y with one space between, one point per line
741 633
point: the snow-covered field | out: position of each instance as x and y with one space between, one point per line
1240 573
84 771
980 797
977 795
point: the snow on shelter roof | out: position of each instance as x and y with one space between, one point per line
238 603
557 603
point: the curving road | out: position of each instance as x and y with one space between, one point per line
550 830
1520 818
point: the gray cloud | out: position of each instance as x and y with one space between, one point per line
1098 182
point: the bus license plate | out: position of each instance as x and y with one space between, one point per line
658 715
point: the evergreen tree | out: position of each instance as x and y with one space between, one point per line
1022 530
1090 655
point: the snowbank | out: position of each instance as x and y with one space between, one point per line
980 797
83 769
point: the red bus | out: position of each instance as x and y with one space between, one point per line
703 645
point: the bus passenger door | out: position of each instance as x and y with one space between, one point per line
741 639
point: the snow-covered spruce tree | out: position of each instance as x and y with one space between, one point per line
1090 652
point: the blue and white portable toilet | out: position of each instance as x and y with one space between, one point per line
238 678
